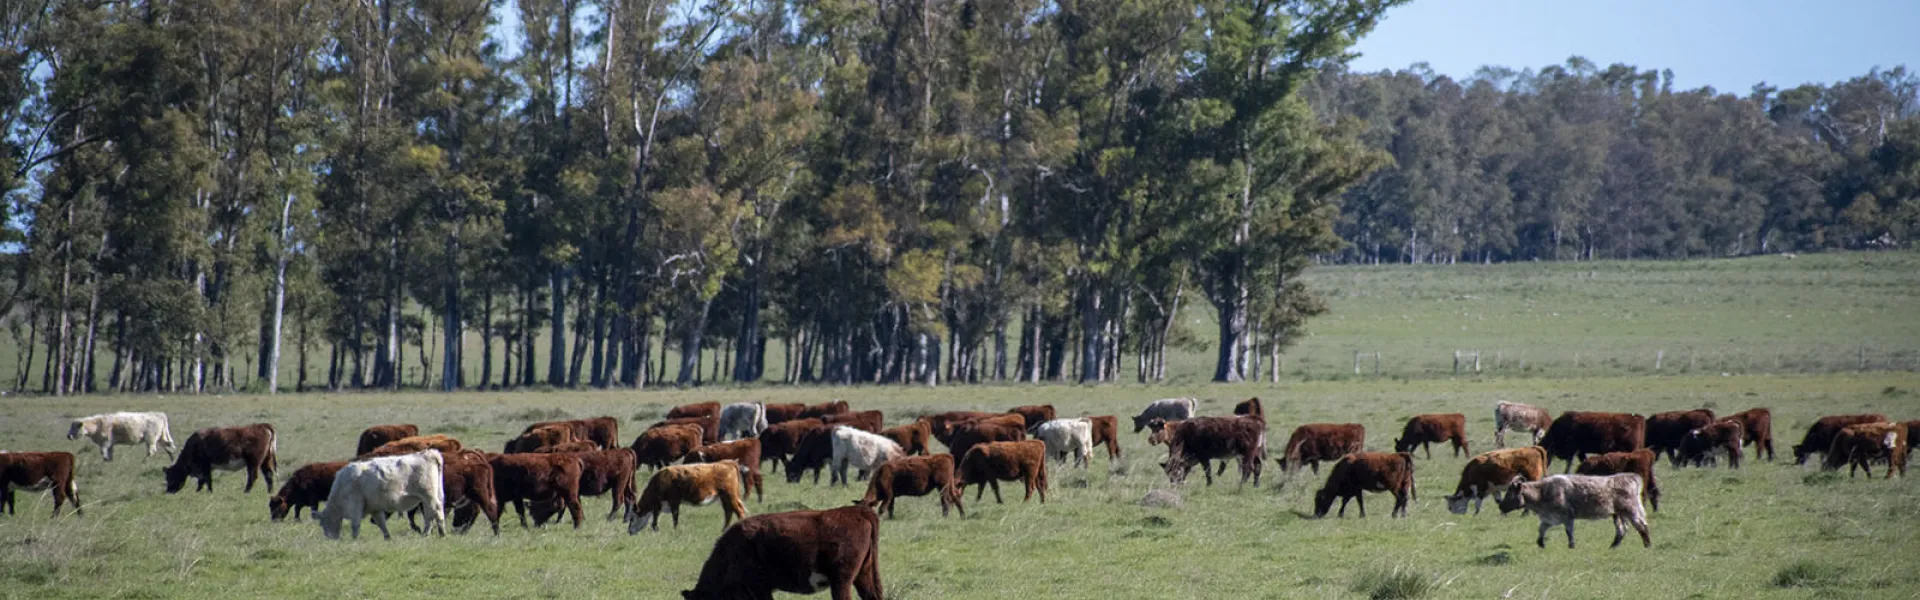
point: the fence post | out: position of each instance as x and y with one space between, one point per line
1658 357
1476 361
1376 364
1863 358
1456 362
1356 362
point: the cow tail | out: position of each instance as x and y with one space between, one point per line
1413 484
273 449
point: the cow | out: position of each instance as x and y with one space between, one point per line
468 488
1170 409
860 450
377 435
821 410
307 488
1858 446
1202 439
1250 406
540 436
688 484
410 445
697 410
1004 428
384 485
813 452
1492 471
780 440
1820 436
1425 430
709 426
1667 430
1756 428
941 424
743 420
1066 437
105 430
1360 472
746 452
1562 499
990 463
1576 434
1638 462
914 476
1106 432
602 431
912 437
661 446
251 447
573 446
870 421
37 471
1315 442
527 477
781 413
601 472
1518 417
798 552
1034 414
1703 444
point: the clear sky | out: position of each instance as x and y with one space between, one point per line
1727 44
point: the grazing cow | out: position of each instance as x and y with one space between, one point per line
1518 417
1034 414
1562 499
1106 432
1360 472
661 446
1315 442
1820 436
1170 409
37 471
573 446
1702 445
781 413
914 476
709 426
1491 471
601 472
912 436
798 552
604 431
1200 440
527 477
1004 428
942 424
384 485
251 447
105 430
870 421
823 409
814 452
860 450
1858 446
695 410
1638 462
1667 430
378 435
781 440
1066 437
541 436
688 484
410 445
1576 434
1756 428
307 488
743 420
992 462
1425 430
1250 406
468 489
746 452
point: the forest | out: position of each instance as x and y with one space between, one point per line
206 194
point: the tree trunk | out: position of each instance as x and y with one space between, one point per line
598 308
691 336
557 328
486 339
453 357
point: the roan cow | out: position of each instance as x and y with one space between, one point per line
1562 499
1518 417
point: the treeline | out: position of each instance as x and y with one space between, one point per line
1576 162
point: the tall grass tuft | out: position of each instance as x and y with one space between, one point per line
1397 583
1808 573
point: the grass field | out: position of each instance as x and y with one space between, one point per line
1766 531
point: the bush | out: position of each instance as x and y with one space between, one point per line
1392 584
1807 573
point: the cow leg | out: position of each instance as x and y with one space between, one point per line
1361 499
1619 530
253 473
520 508
1639 523
1207 470
1500 437
1569 526
106 450
1399 505
979 490
1542 540
674 507
996 491
1428 446
573 507
379 519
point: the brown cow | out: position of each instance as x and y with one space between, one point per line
1495 470
941 424
1033 414
1756 428
914 476
992 462
781 413
1202 439
1704 443
799 552
1315 442
1577 434
376 435
523 478
252 447
1858 446
410 445
1004 428
307 488
870 421
1820 436
746 452
1361 472
603 431
779 442
1638 462
468 490
1667 430
697 410
36 471
1250 406
698 485
1425 430
823 409
709 426
601 472
661 446
573 446
911 437
540 436
811 453
1106 430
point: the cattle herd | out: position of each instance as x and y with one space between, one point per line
705 453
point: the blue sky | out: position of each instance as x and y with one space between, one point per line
1727 44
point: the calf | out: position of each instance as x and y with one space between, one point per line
37 471
540 436
1492 471
1668 430
799 552
1518 417
781 413
698 410
1562 499
813 452
1360 472
1576 434
1858 446
1170 409
1106 432
1425 430
860 450
709 426
385 485
823 409
780 440
661 446
252 447
914 476
1203 439
1007 428
911 437
1065 437
467 478
1820 436
993 462
523 478
941 424
1638 462
307 488
1703 444
743 420
1315 442
573 446
746 452
105 430
377 435
1034 414
688 484
1756 428
410 445
1250 406
870 421
602 431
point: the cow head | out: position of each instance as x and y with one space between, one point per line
1156 427
1457 503
1800 454
278 507
329 521
1323 502
1400 445
1141 421
1515 497
176 477
79 427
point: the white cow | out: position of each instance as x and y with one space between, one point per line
105 430
1064 436
1562 499
1170 409
745 418
860 450
378 487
